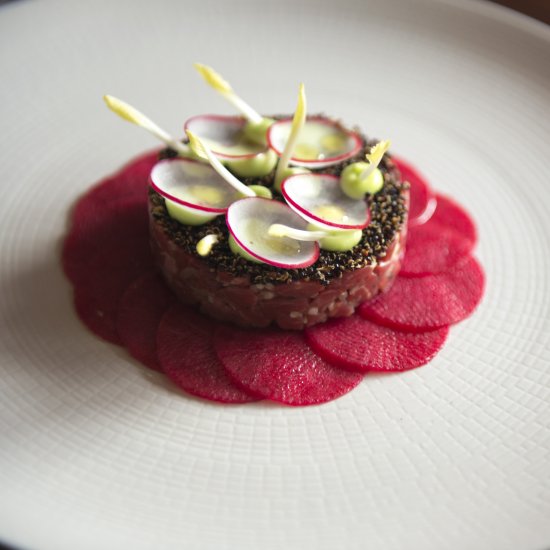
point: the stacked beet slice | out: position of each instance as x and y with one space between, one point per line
120 297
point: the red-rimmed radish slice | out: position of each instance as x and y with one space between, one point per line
195 193
186 355
319 199
279 365
424 303
422 199
321 143
249 221
357 344
204 152
224 136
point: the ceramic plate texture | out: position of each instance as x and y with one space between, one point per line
96 452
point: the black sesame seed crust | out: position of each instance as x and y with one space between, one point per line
387 207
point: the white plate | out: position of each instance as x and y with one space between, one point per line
99 453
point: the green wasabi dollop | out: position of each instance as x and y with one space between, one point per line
338 241
257 131
257 166
185 216
262 191
238 251
355 187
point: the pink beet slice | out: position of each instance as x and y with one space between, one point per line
357 344
103 277
139 313
433 249
98 316
114 227
422 199
134 176
96 208
101 285
186 354
423 303
452 216
92 219
280 366
130 182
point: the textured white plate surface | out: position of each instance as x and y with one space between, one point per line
96 452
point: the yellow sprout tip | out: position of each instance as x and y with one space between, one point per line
213 78
196 145
122 109
378 151
301 108
300 113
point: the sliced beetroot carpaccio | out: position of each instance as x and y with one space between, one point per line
102 264
452 216
93 220
119 226
139 313
130 182
104 277
97 315
357 344
127 190
422 198
186 355
279 365
433 249
423 303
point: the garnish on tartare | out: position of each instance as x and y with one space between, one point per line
333 207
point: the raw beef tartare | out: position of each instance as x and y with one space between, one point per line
230 288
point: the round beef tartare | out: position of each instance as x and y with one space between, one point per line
231 288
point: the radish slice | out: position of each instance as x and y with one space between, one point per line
322 142
193 185
249 221
224 135
319 199
204 152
